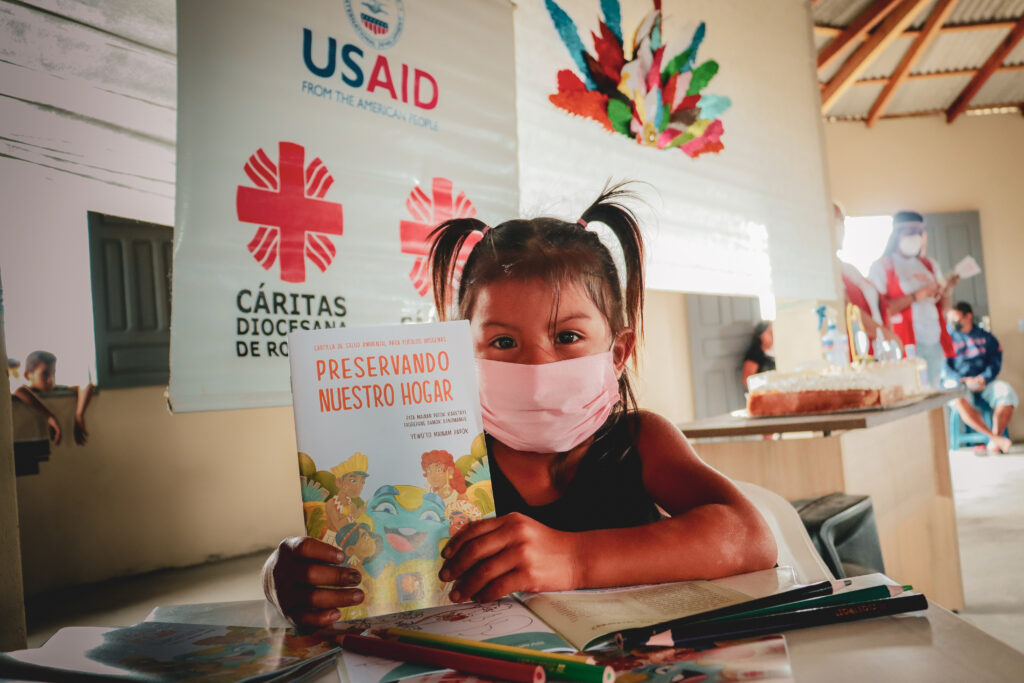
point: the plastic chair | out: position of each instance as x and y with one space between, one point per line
842 528
795 547
960 433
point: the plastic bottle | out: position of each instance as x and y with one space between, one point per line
834 345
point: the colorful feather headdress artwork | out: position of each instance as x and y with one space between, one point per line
641 92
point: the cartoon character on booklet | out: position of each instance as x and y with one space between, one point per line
346 507
413 527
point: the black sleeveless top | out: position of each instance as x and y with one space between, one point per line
607 491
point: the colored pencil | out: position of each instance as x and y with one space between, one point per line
470 664
562 666
729 629
843 598
638 636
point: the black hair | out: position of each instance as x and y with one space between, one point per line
755 350
899 218
964 308
37 358
554 251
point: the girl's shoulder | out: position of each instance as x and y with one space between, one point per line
656 437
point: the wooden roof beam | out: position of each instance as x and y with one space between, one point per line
833 31
882 80
931 27
990 66
856 31
855 65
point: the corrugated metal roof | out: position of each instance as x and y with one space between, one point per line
839 12
856 101
951 51
948 51
1002 88
885 63
926 95
978 11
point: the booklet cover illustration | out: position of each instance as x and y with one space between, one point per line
392 460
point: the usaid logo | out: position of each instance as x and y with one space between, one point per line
378 22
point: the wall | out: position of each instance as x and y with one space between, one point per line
12 611
665 382
929 166
151 489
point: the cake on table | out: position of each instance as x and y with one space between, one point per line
833 388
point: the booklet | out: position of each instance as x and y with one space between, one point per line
155 651
392 460
568 621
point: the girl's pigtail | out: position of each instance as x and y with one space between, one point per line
609 209
447 240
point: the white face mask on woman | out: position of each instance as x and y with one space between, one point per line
910 245
547 407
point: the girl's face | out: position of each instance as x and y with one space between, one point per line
511 322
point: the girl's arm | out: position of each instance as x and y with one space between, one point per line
714 531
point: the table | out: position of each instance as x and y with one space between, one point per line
934 645
898 456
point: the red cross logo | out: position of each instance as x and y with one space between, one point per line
287 203
427 213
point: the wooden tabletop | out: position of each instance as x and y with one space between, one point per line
730 425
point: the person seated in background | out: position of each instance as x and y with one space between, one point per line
916 294
976 364
13 368
759 357
40 377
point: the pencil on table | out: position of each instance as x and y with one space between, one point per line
470 664
580 669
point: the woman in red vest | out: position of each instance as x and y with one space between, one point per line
916 294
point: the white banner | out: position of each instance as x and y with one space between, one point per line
318 142
738 201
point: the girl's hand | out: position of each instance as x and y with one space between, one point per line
303 579
494 557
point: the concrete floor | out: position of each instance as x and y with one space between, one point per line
990 519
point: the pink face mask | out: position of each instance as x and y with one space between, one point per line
549 407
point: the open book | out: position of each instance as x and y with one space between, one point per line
589 620
392 460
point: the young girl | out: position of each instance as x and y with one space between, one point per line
590 491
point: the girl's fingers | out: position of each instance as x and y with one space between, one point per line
481 575
475 529
312 549
326 598
331 575
501 586
475 550
318 618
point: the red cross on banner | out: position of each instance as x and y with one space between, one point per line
288 206
428 212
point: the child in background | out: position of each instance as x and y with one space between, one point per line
40 376
590 491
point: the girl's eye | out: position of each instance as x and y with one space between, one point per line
504 343
568 337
